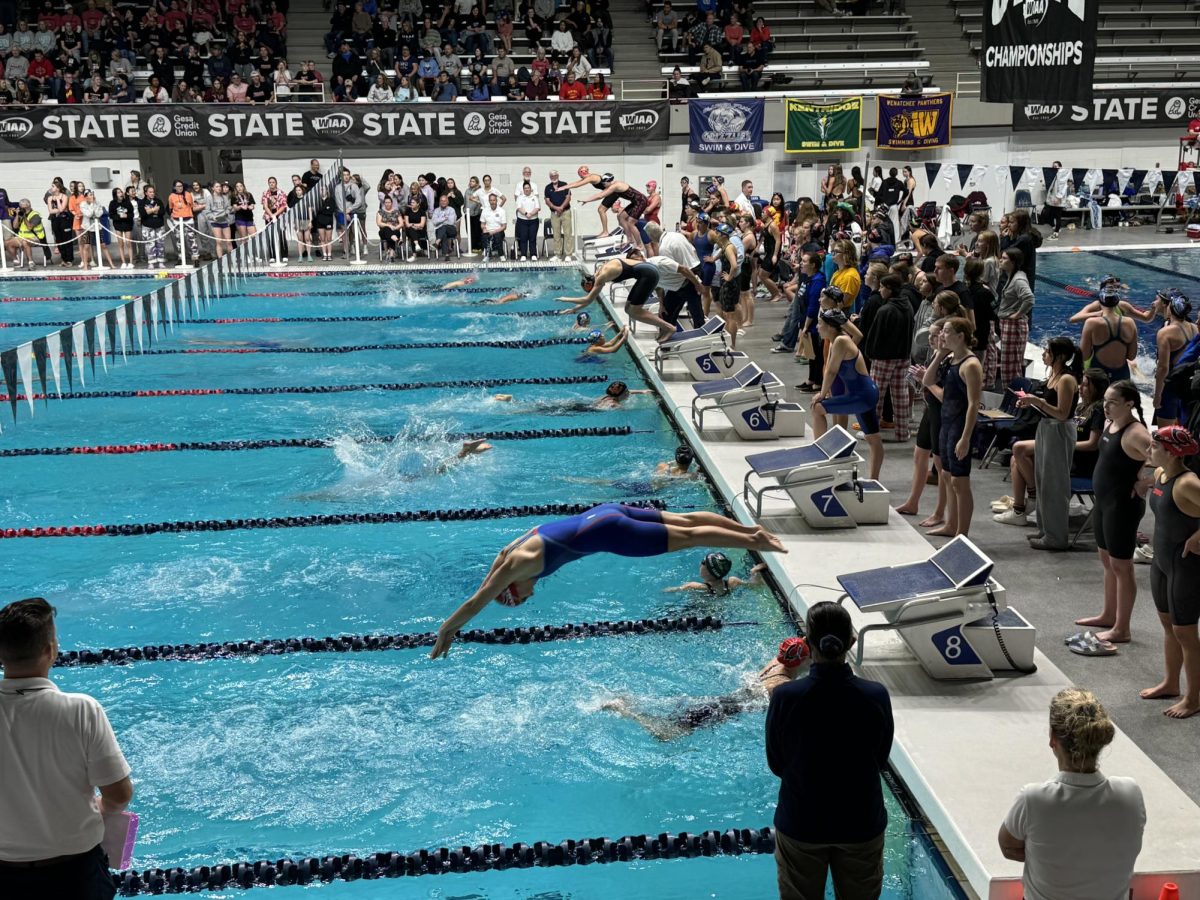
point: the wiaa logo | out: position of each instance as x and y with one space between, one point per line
639 120
1034 11
1042 112
15 128
920 123
333 124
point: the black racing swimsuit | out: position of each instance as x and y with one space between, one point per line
1117 510
1173 576
645 280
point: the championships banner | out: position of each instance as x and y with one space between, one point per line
914 123
1127 109
720 126
818 127
327 125
1038 50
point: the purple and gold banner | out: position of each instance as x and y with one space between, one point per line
914 123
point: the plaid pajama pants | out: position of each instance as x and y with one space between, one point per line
891 375
1014 334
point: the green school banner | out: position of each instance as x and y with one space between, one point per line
821 127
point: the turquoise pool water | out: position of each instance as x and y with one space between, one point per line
304 755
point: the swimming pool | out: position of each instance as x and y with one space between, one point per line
1144 271
308 754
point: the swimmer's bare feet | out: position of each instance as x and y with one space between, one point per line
502 398
1096 622
616 704
944 531
664 334
1164 690
765 540
906 510
470 448
931 522
1184 709
1113 636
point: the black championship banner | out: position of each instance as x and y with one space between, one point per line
1149 109
313 125
1041 50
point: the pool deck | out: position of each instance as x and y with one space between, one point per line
964 750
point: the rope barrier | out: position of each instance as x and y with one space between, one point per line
315 443
375 518
482 858
310 389
360 348
354 643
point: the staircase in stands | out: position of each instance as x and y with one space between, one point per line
941 35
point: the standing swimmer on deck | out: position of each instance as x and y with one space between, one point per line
607 528
645 280
859 394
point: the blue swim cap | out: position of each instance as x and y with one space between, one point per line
583 319
595 336
724 228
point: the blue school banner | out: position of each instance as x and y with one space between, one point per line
914 123
726 126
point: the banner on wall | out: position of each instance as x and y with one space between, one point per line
1041 50
820 127
726 126
1127 109
914 123
313 125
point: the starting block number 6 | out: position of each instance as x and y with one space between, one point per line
756 420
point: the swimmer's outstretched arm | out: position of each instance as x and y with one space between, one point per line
506 568
1092 309
612 346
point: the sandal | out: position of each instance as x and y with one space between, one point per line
808 388
1087 644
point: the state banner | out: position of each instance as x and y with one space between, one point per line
823 127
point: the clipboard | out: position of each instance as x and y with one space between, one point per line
120 832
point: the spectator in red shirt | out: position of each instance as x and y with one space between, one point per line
734 32
174 14
92 17
41 69
599 89
69 19
243 21
570 90
761 35
50 17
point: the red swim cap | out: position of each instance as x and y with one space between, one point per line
583 171
793 652
1177 440
508 597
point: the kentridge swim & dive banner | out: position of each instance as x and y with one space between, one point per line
99 127
1038 50
817 127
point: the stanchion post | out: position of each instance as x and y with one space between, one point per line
183 262
3 251
100 267
358 260
277 263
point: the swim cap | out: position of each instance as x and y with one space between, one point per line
583 171
702 217
718 565
724 228
793 652
1109 298
834 293
1181 306
617 389
834 317
1109 279
583 319
595 336
684 456
720 179
1177 440
508 597
652 186
712 188
607 178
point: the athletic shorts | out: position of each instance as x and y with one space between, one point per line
746 276
635 204
645 280
708 274
608 201
860 404
951 432
729 295
1171 408
929 432
1115 525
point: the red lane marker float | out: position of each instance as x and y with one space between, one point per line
1079 292
71 278
276 294
285 274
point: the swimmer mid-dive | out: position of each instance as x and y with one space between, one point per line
614 395
461 283
786 665
715 578
607 528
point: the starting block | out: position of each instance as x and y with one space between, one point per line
822 481
740 395
693 343
951 613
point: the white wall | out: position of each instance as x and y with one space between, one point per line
29 175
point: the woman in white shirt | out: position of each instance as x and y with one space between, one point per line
381 91
1080 833
405 92
528 208
578 64
89 217
283 81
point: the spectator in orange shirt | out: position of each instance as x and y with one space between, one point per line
572 89
180 204
734 32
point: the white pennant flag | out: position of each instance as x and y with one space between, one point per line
1123 176
100 339
139 322
1001 175
154 315
949 171
165 294
54 351
122 328
1153 180
976 176
25 368
1093 179
77 335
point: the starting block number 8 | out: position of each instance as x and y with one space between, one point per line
954 648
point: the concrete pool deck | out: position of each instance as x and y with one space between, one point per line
963 750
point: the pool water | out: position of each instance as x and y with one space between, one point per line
299 755
1144 271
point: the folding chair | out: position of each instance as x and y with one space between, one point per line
1081 489
547 239
1002 426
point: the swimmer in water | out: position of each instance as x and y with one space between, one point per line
507 298
715 578
680 467
469 448
615 394
599 345
583 322
257 345
786 665
607 528
461 283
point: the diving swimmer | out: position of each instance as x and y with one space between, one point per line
607 528
645 280
786 665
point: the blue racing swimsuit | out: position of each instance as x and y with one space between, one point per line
607 528
859 396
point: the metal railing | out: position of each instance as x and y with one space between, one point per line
968 85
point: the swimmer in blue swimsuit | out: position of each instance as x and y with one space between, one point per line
857 394
607 528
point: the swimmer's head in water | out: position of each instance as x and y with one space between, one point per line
516 593
595 336
470 279
793 652
583 320
684 456
1109 298
617 389
718 565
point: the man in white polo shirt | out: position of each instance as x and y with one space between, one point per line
742 201
55 750
492 222
681 282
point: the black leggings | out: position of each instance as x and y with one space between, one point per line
64 235
1053 215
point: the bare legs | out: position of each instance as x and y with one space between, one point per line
630 228
732 319
1022 472
921 459
639 312
960 508
1181 653
1120 593
706 529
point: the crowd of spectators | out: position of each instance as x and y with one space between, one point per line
384 52
189 50
714 36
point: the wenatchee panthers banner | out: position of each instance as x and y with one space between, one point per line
1129 109
331 125
914 123
1038 50
820 127
726 126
